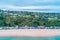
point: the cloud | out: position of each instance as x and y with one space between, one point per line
44 8
29 7
49 5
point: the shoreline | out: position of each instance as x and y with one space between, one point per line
30 32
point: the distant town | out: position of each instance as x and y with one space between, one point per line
29 20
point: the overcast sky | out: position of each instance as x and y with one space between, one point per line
30 4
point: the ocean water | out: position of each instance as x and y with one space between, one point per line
30 38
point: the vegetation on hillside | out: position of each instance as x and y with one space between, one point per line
23 18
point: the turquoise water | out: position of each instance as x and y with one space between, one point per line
30 38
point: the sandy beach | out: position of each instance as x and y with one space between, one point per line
30 32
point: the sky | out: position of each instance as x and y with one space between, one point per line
30 4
